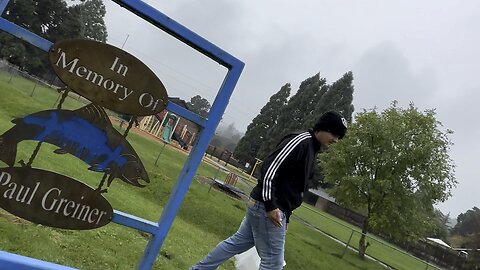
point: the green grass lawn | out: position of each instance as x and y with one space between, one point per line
204 219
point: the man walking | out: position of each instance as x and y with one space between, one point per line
284 176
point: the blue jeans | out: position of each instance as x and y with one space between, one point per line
256 230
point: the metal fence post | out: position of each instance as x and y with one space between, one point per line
215 177
161 150
34 87
347 245
58 99
11 75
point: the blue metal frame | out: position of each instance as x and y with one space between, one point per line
159 230
3 5
18 262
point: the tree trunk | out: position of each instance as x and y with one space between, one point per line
362 246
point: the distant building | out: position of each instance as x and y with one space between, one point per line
170 127
438 242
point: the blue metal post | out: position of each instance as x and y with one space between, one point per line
24 34
18 262
3 5
177 109
179 31
188 171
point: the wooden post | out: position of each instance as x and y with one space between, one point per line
257 161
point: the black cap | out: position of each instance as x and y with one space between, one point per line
332 122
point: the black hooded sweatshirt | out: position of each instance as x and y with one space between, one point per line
286 171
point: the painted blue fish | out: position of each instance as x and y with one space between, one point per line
86 133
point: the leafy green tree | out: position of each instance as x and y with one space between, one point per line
40 18
255 136
393 166
467 231
468 223
54 20
12 51
199 105
91 14
437 225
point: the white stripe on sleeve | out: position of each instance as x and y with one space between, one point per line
272 169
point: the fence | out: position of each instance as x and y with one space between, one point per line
35 86
334 209
32 85
12 74
418 256
446 258
223 155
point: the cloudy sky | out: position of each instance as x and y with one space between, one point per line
426 52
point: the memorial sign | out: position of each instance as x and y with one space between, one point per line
52 199
108 76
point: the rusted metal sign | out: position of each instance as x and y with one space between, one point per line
108 76
52 199
86 133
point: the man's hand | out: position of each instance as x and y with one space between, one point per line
275 216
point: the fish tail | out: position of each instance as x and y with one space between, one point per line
132 182
8 152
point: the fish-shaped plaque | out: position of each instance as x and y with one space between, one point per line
108 76
52 199
86 133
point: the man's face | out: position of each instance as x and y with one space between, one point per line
326 138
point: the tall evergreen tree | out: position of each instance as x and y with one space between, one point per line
255 136
338 97
291 118
313 98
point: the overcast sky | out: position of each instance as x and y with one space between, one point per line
426 52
